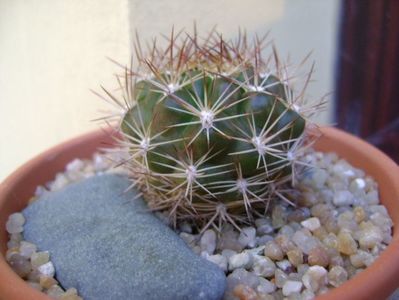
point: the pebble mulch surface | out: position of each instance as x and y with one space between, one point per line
337 230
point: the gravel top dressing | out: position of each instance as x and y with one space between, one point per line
336 230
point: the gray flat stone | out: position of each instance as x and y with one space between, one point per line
110 247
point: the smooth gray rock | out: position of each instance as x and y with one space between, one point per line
110 247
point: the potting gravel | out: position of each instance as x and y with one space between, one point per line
337 229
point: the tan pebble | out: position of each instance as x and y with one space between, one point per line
244 292
285 243
331 241
39 258
346 244
318 256
273 251
331 225
47 282
55 292
320 233
360 214
71 291
370 237
295 256
70 297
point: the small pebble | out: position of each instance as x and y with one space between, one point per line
304 241
47 269
346 244
208 241
55 292
39 258
312 223
342 198
240 260
244 292
47 281
291 287
265 286
361 259
26 249
318 256
284 265
295 256
20 265
280 278
273 251
263 266
315 278
337 276
285 242
370 236
247 237
263 226
359 213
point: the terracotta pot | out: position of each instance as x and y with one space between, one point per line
376 282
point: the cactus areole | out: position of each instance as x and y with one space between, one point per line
213 128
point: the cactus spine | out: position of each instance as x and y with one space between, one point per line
214 129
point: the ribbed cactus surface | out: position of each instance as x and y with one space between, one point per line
213 129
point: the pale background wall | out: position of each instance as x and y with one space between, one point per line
52 52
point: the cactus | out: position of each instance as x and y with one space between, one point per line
213 129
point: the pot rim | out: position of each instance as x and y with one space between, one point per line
377 281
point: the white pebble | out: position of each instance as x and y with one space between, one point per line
240 260
263 266
343 198
315 278
358 184
26 249
265 286
60 181
47 269
370 237
40 191
17 219
263 226
372 197
319 177
208 241
247 237
13 227
291 287
304 242
284 264
312 223
75 166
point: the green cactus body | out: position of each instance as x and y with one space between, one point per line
209 145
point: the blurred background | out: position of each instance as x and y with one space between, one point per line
53 52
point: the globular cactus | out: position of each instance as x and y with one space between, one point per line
213 128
